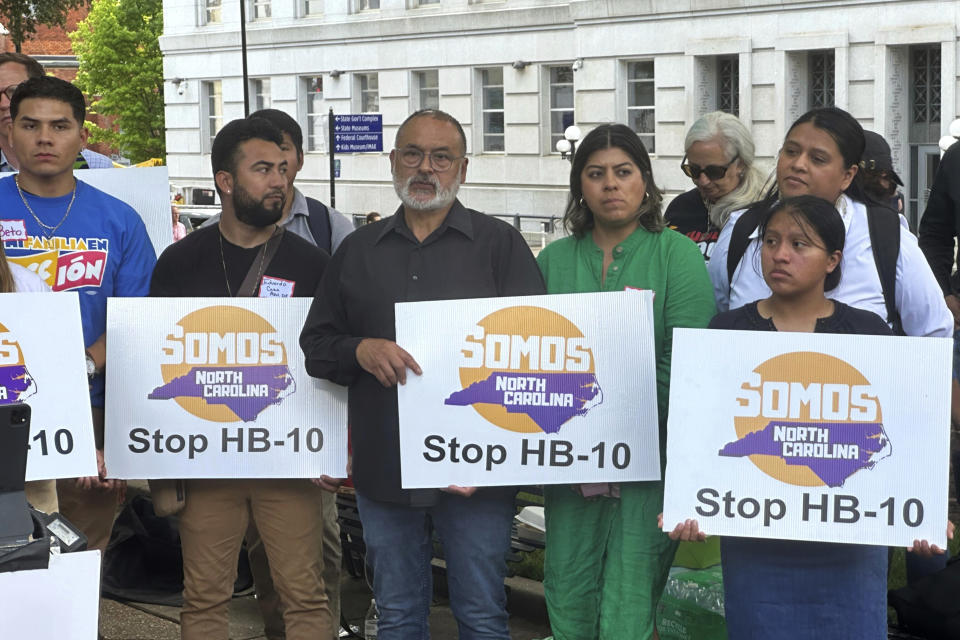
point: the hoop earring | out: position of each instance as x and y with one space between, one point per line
581 203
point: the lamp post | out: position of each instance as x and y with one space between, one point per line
948 141
567 146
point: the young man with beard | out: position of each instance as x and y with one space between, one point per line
325 228
433 248
78 238
246 254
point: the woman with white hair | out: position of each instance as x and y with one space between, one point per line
719 158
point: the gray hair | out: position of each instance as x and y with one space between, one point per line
735 140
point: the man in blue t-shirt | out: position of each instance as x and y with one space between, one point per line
77 238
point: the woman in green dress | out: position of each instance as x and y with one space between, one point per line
606 560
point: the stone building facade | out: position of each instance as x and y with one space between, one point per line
516 72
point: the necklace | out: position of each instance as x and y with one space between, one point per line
49 230
223 260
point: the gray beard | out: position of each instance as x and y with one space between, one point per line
442 197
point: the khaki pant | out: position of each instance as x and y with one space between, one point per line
42 495
212 525
332 554
90 510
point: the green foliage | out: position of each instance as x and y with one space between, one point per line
121 70
21 17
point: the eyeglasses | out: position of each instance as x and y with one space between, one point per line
440 160
9 91
712 171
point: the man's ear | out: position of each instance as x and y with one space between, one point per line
224 181
84 134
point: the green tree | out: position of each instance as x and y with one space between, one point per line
121 70
21 17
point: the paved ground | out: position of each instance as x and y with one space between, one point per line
133 621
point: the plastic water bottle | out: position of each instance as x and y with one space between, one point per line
371 621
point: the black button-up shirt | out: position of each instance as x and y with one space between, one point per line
470 255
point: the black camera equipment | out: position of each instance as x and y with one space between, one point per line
26 535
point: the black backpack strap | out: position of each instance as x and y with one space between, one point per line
319 221
884 225
740 239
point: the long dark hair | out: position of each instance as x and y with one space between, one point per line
578 219
846 132
7 283
819 216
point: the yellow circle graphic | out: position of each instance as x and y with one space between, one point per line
804 367
10 349
523 321
226 321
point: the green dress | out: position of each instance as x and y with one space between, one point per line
606 560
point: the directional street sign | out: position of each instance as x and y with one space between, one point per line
358 132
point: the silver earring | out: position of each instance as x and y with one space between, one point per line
581 204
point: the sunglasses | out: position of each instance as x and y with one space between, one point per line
712 171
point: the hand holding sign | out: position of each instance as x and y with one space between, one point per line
686 531
386 361
927 550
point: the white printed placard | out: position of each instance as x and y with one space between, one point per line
217 388
146 189
803 436
61 601
42 364
529 390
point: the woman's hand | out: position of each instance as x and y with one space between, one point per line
927 550
688 531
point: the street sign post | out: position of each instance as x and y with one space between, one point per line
357 132
353 133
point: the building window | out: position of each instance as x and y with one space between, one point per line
260 9
260 91
368 5
427 89
211 11
313 7
214 109
925 68
561 102
923 131
640 101
423 3
313 112
368 87
728 84
491 108
821 69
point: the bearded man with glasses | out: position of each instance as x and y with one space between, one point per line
719 158
432 248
